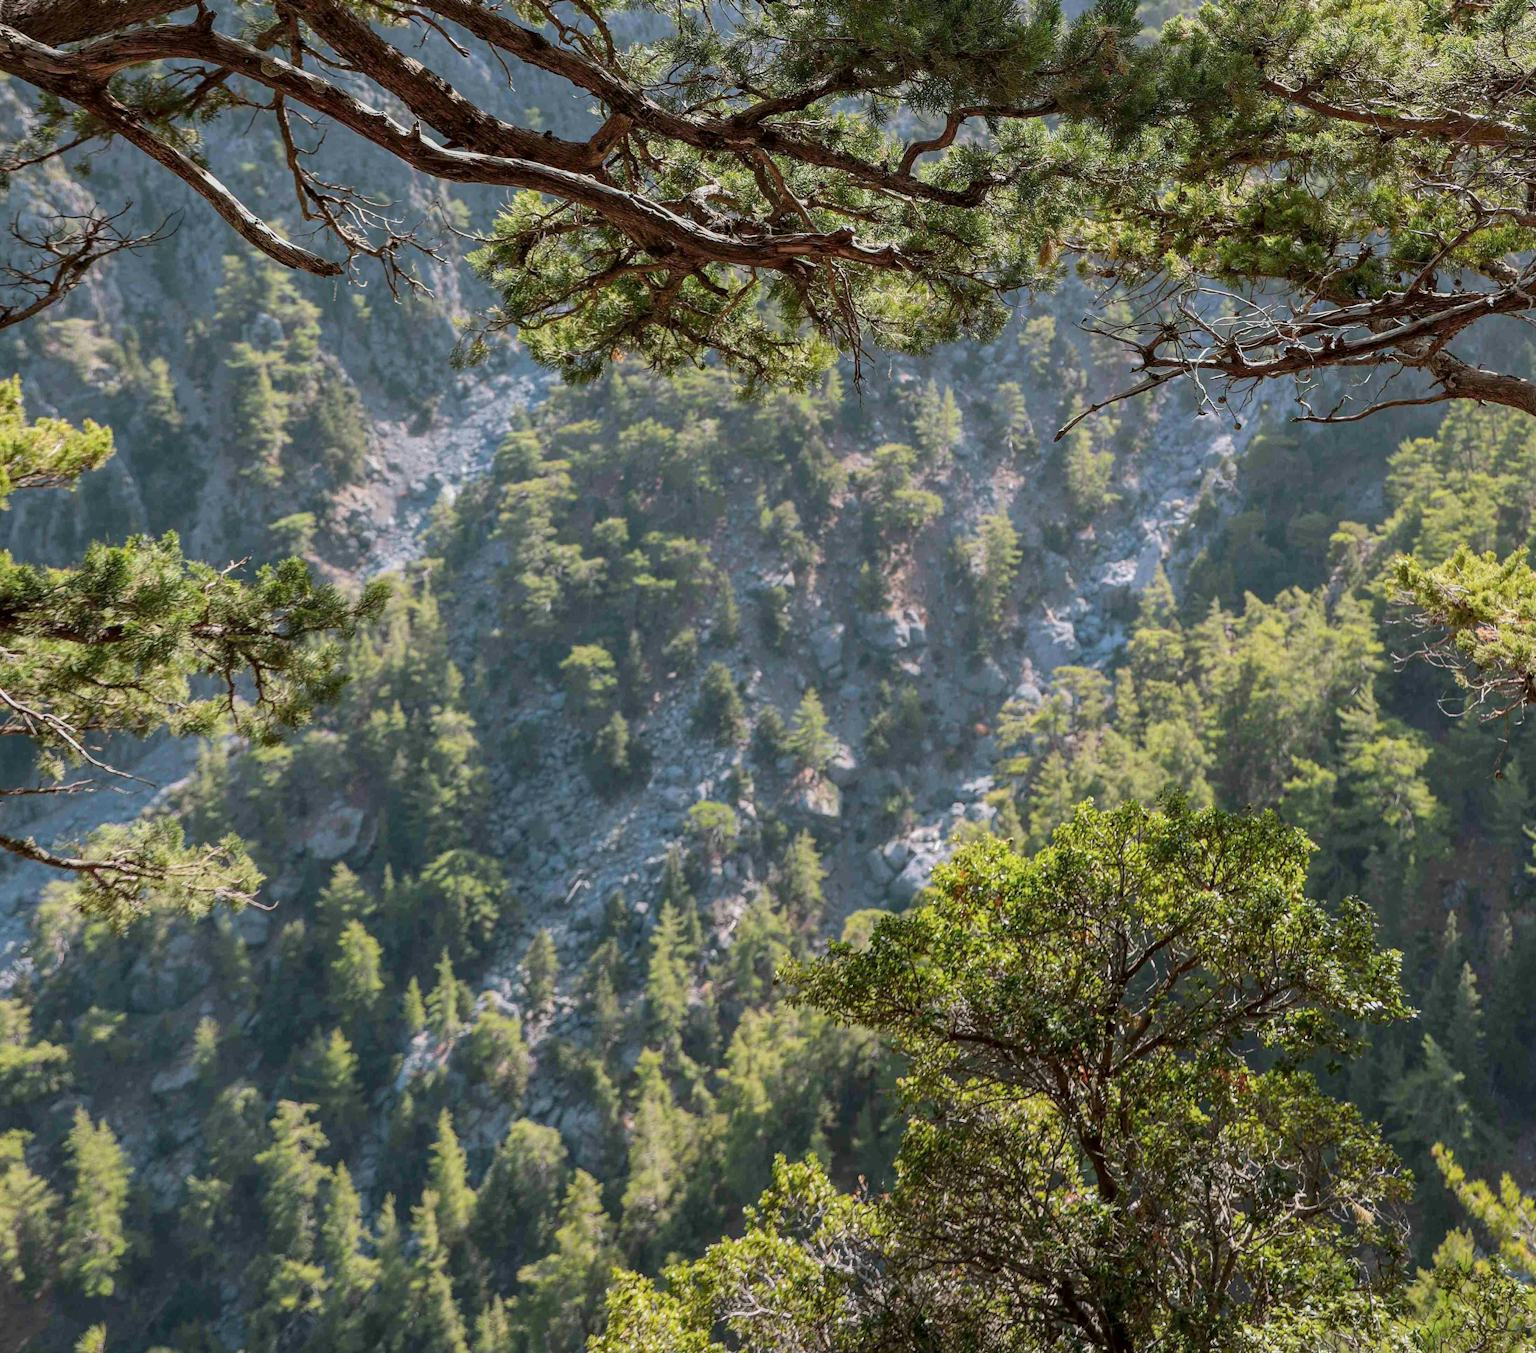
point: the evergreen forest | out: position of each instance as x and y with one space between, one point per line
791 677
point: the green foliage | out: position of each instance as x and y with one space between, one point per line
446 1002
895 732
92 1240
327 1077
1058 1015
616 759
541 969
46 453
117 643
993 557
667 977
518 1201
810 739
712 829
499 1054
28 1221
896 508
719 711
662 1155
590 679
1088 471
797 885
562 1293
1480 615
28 1070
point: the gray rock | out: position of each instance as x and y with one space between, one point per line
884 633
896 854
159 982
912 880
173 1079
843 766
984 678
253 926
818 798
335 832
827 647
880 869
264 331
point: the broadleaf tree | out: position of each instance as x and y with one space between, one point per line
1115 1138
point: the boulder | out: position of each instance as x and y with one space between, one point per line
884 633
912 880
335 833
880 870
984 678
843 766
173 1079
818 798
827 647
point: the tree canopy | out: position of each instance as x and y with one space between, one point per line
1278 187
137 638
1111 1139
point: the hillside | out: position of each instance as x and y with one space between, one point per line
676 688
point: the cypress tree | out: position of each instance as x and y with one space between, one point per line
448 1182
93 1241
562 1294
541 967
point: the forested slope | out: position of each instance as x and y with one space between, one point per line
674 688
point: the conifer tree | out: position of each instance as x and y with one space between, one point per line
448 1182
541 968
445 1001
675 888
612 761
661 1158
728 618
604 971
713 828
798 883
355 980
92 1242
493 1328
327 1076
28 1223
667 979
468 898
342 901
392 1292
291 1176
518 1200
432 1321
810 735
719 711
413 1008
560 1303
351 1274
936 421
500 1054
994 557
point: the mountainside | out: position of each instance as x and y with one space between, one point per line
673 687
